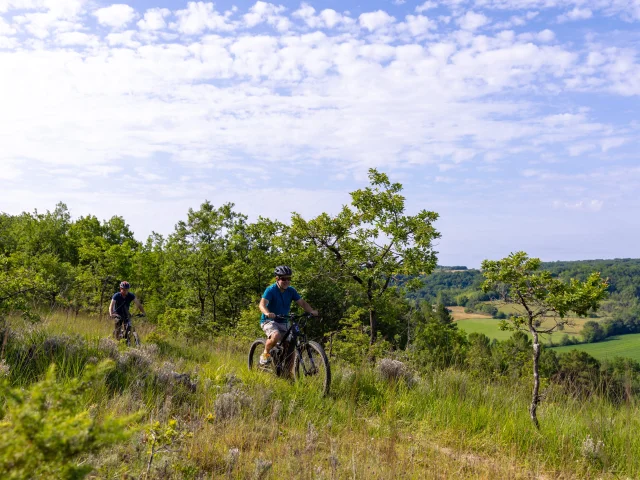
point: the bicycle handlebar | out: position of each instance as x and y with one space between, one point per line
138 315
293 316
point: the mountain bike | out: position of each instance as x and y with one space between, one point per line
124 329
295 356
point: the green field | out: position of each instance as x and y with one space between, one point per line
490 327
618 346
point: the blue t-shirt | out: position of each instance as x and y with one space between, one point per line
122 304
279 302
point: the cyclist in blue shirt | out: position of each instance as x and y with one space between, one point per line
276 300
120 302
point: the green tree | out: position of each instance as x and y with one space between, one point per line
438 342
105 252
373 241
539 296
479 357
199 261
593 332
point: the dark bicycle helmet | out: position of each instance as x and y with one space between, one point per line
282 271
125 285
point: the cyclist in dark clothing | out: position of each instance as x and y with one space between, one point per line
120 302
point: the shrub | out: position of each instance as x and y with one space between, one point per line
439 344
593 332
479 358
185 321
393 370
352 342
46 430
578 372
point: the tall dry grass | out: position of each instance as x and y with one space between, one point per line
242 424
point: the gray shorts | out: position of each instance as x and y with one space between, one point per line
271 327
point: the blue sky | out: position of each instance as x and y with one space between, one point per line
516 120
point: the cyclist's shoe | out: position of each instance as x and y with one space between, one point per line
265 359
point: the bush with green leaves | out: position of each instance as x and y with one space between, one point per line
593 332
351 343
185 321
438 342
46 431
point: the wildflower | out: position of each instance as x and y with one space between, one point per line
232 459
262 467
592 450
4 368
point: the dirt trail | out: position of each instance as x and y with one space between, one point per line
458 314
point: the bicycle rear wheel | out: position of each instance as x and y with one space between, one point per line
311 368
257 347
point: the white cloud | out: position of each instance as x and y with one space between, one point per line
575 14
327 18
200 16
10 170
584 205
442 179
5 28
580 149
41 17
116 16
262 12
546 36
126 39
8 43
613 142
308 14
332 18
416 25
375 20
57 8
77 38
343 99
428 5
154 19
472 21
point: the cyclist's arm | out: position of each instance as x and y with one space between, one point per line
263 308
112 308
306 307
139 305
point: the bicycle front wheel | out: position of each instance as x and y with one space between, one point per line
311 367
257 347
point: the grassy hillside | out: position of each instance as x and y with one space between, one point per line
617 346
473 323
241 424
487 326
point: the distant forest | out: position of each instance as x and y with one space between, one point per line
623 275
620 313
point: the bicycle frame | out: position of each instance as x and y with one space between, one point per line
293 340
124 326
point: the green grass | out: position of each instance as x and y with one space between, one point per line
447 424
488 326
618 346
491 328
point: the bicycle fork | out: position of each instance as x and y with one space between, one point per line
313 370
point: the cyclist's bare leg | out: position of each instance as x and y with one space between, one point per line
272 341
